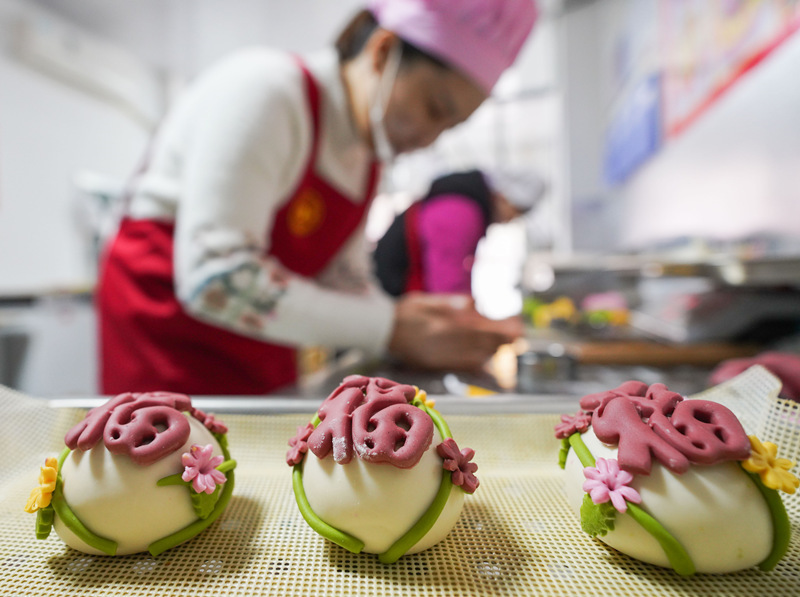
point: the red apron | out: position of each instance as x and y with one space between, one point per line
147 340
415 276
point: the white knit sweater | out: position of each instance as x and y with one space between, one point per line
228 155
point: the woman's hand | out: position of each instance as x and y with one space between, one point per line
438 331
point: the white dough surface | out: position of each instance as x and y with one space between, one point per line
378 503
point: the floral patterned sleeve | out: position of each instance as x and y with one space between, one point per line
244 160
258 297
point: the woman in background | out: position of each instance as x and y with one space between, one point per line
431 246
243 237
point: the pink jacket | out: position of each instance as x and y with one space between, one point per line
450 227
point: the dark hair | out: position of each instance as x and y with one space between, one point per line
470 183
360 28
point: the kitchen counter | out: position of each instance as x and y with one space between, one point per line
547 370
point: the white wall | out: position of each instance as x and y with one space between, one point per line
142 26
48 133
592 217
183 36
297 25
60 358
735 172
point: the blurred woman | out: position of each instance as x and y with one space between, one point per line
243 234
431 246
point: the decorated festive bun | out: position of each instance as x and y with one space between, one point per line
143 472
378 471
675 482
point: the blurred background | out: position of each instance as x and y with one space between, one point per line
668 133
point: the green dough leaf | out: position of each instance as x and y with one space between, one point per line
44 522
597 519
204 503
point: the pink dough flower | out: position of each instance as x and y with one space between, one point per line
210 421
458 461
214 425
299 445
609 482
572 423
201 468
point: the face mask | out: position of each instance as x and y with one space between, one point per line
377 108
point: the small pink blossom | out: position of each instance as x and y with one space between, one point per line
572 423
201 468
608 482
299 445
210 421
458 461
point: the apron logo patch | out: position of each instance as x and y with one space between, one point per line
306 213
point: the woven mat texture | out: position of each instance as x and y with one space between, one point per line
516 535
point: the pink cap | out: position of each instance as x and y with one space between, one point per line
481 38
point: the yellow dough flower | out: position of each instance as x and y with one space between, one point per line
774 472
422 396
40 496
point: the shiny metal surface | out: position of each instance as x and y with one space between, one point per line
275 405
725 269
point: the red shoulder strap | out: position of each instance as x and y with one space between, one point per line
415 278
312 94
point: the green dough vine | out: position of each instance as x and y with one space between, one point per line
678 557
188 532
563 452
44 522
781 527
203 503
333 534
431 515
71 521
